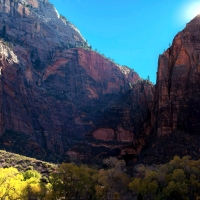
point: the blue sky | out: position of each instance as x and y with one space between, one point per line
132 32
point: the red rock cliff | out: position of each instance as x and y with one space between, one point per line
58 99
178 83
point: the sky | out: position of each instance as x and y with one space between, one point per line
131 32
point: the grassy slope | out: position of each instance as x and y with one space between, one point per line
23 163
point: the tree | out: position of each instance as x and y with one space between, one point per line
113 181
176 191
11 184
71 181
32 174
113 162
34 187
144 188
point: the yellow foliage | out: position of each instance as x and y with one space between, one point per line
11 183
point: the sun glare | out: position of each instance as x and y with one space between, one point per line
191 10
188 11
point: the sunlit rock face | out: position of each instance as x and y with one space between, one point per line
178 84
37 23
58 99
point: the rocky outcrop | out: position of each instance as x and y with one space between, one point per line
175 109
178 84
60 99
37 24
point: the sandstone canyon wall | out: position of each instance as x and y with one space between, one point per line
58 98
177 105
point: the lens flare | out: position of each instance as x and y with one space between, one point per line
189 11
193 10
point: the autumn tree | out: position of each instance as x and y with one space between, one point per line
112 181
71 181
11 184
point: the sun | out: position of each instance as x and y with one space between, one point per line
192 10
187 11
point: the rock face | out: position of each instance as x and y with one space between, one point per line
58 98
177 99
37 24
175 111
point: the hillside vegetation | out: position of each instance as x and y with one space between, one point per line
26 178
23 163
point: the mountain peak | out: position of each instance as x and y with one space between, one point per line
195 20
198 16
45 20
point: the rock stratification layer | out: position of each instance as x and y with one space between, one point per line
57 97
178 83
